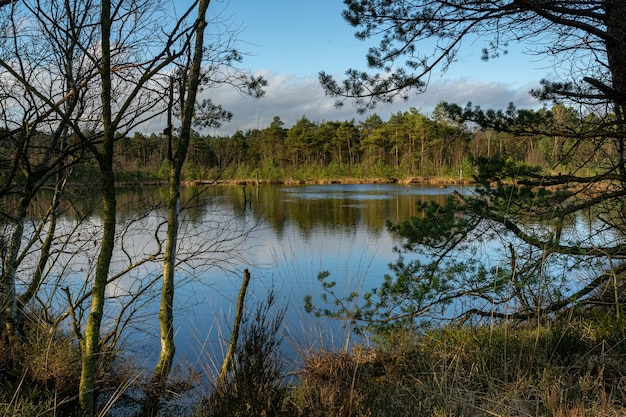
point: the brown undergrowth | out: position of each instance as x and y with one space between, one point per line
555 369
573 367
40 372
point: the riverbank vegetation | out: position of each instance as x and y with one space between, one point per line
569 367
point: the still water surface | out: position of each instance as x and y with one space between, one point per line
284 235
295 232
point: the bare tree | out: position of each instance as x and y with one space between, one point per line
192 77
100 83
77 76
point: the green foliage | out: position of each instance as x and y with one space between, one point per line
511 145
437 228
25 407
309 172
448 269
381 170
411 297
269 171
500 169
163 171
335 170
244 171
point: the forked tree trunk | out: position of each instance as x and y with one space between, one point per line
176 160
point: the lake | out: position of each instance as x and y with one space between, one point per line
284 235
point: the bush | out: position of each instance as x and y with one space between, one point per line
255 384
37 370
40 372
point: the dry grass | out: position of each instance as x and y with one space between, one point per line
572 368
40 373
553 372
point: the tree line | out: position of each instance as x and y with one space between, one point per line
408 144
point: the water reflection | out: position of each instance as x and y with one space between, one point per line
285 235
329 206
298 232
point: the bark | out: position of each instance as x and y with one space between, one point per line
46 247
7 291
177 159
166 309
234 337
91 348
616 56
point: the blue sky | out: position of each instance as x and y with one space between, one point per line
291 41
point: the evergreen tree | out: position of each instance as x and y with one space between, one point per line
560 233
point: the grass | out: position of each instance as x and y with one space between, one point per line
40 373
571 367
554 369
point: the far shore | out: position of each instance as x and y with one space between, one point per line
436 181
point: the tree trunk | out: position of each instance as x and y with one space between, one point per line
234 337
166 309
44 257
7 291
91 348
176 158
616 55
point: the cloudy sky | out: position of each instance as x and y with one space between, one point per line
290 41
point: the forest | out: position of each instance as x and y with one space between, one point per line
407 145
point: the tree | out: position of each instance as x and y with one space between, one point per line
192 76
346 141
271 142
589 32
544 261
93 67
38 148
77 78
300 142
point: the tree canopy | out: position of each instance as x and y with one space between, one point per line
560 231
582 39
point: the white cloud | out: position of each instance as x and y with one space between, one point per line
290 97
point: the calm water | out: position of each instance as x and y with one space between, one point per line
284 235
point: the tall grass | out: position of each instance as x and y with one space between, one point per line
561 367
553 369
254 384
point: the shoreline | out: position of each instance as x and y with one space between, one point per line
436 181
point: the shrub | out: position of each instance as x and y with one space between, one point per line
542 370
39 369
254 386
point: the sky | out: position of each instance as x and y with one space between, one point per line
290 41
